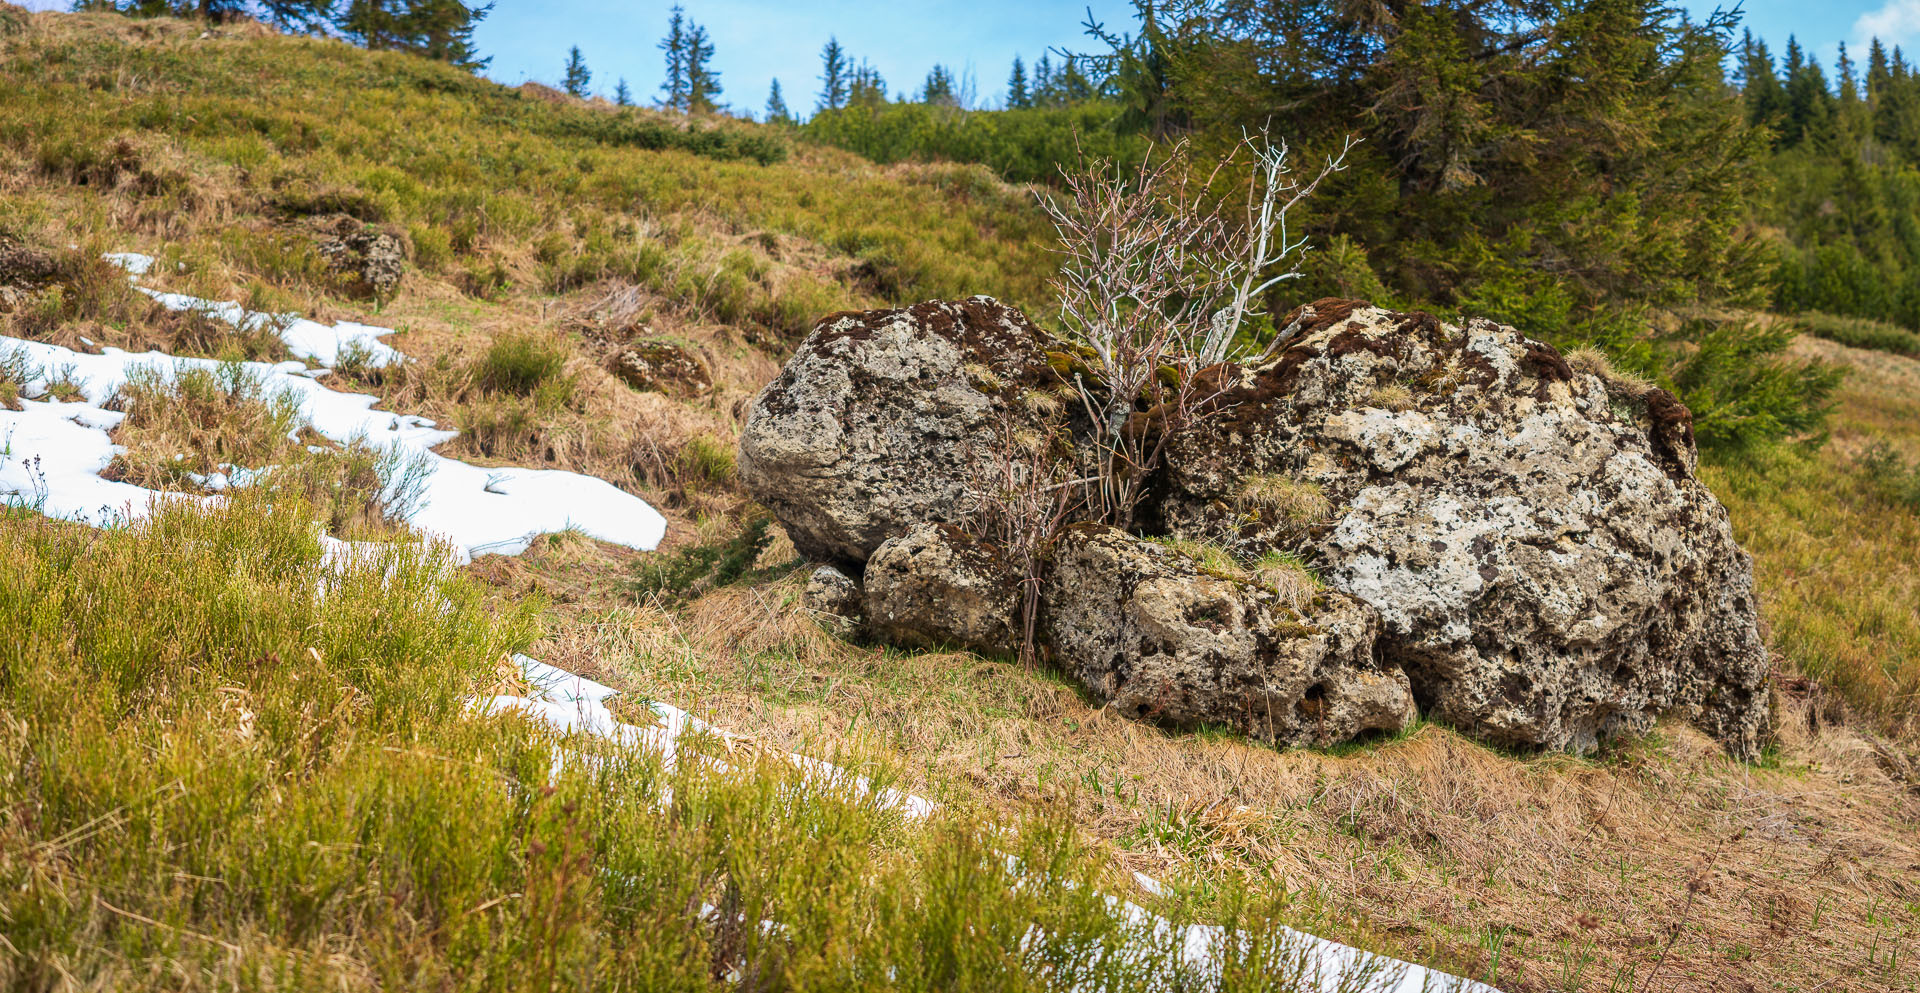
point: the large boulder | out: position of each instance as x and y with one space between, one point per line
1160 637
1528 534
936 585
884 419
1547 567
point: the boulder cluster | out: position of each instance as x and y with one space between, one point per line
1393 516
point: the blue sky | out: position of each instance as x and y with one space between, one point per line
756 41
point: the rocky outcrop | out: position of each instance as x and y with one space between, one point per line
937 586
1547 568
657 366
1521 548
370 260
883 419
1146 628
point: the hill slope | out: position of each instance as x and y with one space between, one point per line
546 239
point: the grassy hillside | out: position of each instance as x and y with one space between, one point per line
186 802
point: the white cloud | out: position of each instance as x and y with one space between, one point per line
1897 22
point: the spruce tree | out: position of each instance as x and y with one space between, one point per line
1765 99
675 48
834 76
777 112
1042 92
1017 85
1072 86
1546 160
938 89
865 88
703 81
622 97
1878 75
577 77
1809 109
437 29
1850 113
297 15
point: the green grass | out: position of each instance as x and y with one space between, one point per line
1835 587
223 766
275 130
1861 332
1027 145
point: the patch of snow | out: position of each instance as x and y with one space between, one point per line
133 262
305 339
51 454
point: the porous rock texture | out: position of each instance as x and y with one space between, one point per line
883 419
1547 567
23 270
936 585
371 260
1160 638
1523 550
658 366
836 601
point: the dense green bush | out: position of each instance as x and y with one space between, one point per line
1027 145
1861 332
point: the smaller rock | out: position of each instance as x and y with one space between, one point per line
834 599
22 271
373 260
938 585
657 366
1161 638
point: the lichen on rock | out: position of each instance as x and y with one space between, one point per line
1548 570
371 260
936 585
882 420
1504 539
1147 629
654 365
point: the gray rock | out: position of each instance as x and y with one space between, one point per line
835 600
1544 567
371 260
1547 567
1149 630
935 585
660 366
883 420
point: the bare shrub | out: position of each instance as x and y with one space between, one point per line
1023 492
1157 279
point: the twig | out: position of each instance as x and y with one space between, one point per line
228 945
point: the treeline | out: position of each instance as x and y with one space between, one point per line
1846 193
1051 115
1584 169
436 29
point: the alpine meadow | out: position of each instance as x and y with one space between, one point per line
1276 495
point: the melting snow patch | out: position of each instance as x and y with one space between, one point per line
51 454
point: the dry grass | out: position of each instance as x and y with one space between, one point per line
1298 501
1596 362
1430 846
1393 396
196 421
